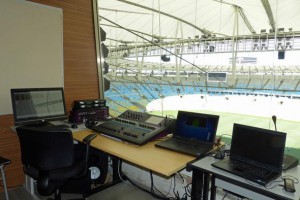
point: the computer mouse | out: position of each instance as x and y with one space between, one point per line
74 126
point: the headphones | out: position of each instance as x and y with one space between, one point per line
90 123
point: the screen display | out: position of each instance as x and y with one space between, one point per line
196 126
259 146
38 105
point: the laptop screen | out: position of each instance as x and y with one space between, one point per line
196 126
258 146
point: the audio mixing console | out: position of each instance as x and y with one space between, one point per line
136 127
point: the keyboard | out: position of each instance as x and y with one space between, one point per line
52 126
251 169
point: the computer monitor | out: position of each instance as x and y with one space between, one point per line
38 105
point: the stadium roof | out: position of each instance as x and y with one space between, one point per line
126 22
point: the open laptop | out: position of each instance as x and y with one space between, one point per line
194 134
255 154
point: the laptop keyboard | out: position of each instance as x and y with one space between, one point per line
250 169
186 143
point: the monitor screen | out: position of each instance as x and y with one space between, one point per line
37 105
197 126
263 147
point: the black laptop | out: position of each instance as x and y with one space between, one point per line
255 154
194 134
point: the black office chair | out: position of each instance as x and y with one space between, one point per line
48 156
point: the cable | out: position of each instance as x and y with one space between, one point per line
188 189
296 180
153 187
119 170
181 177
152 194
225 195
129 180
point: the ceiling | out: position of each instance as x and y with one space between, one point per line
127 22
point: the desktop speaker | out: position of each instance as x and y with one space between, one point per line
98 166
289 162
95 176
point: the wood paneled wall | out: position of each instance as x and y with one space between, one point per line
80 75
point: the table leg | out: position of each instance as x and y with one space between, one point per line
197 185
206 185
213 188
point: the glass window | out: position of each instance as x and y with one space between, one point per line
248 78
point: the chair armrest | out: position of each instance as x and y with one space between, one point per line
89 138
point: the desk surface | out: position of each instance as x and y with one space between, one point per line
205 165
148 156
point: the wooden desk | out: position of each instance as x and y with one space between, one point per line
161 161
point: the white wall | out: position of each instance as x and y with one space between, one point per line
31 48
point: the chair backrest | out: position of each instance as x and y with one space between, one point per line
46 148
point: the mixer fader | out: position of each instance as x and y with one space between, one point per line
136 127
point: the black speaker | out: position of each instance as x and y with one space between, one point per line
106 84
98 166
103 34
281 55
105 67
105 50
94 177
165 58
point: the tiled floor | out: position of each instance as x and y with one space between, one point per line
121 191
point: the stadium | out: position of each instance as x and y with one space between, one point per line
161 57
235 59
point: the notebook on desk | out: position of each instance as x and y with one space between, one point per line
255 154
194 134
